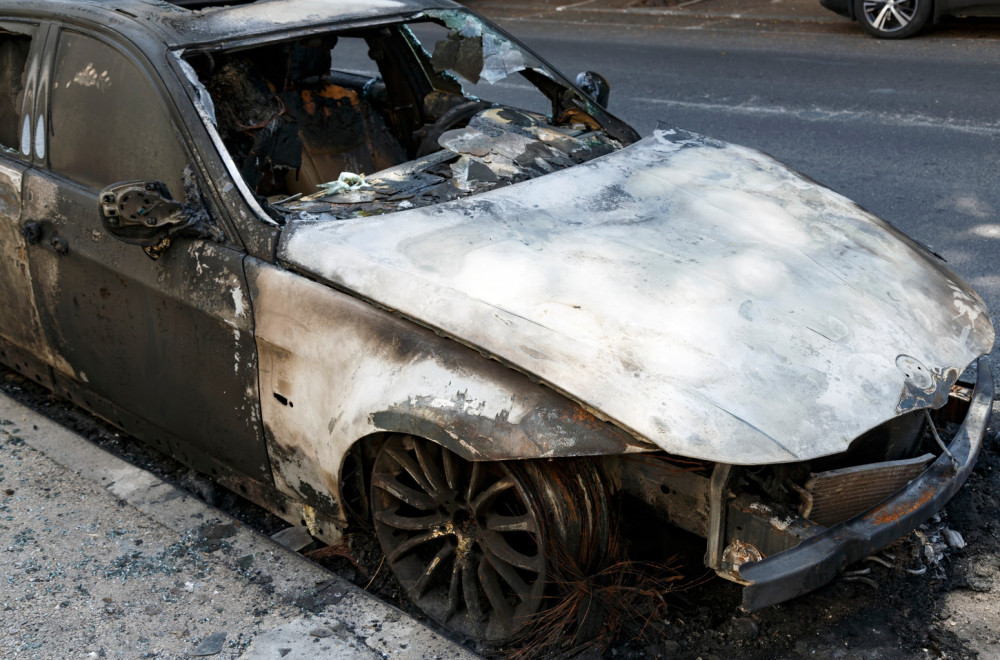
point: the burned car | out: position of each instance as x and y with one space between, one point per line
314 250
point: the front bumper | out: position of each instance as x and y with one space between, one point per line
820 558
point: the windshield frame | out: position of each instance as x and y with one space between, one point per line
565 95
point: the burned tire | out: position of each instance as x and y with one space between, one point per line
474 544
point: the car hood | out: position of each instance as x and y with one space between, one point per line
696 293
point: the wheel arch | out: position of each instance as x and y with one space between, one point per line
563 430
939 9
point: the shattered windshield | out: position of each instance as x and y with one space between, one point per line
481 60
393 116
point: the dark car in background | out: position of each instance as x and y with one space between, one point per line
317 251
898 19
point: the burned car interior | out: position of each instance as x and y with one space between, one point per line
373 120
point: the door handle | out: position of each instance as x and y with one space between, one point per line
60 245
32 232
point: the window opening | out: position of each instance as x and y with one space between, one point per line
13 71
395 116
108 122
462 58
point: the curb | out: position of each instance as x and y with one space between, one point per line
327 615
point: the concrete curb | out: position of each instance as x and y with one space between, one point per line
327 616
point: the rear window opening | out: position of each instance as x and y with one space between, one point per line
13 65
395 116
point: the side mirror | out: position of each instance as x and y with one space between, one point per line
595 86
142 213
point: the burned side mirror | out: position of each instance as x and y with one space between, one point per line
142 213
595 86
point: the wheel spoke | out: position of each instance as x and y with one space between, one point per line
879 21
477 472
499 547
470 592
453 584
467 540
412 524
490 493
494 593
449 460
509 575
420 586
409 544
431 471
406 462
498 523
903 20
403 493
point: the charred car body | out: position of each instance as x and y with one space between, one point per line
288 243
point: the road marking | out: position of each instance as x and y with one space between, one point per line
844 27
673 11
908 120
575 4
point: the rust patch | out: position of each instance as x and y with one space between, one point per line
892 514
735 555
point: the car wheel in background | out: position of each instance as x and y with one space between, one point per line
892 19
475 545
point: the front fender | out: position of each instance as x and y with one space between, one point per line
546 426
334 369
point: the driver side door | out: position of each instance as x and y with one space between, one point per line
163 348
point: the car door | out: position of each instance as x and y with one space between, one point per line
164 347
22 343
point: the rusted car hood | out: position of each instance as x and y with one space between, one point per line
697 293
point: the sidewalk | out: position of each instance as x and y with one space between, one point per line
797 11
101 559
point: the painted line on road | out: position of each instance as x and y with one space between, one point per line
707 24
897 120
732 23
673 12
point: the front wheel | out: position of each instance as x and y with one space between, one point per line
892 19
474 544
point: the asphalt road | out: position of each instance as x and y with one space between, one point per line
910 130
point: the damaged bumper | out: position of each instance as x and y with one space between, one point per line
820 558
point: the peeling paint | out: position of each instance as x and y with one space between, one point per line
237 293
91 77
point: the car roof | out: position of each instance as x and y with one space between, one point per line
189 22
